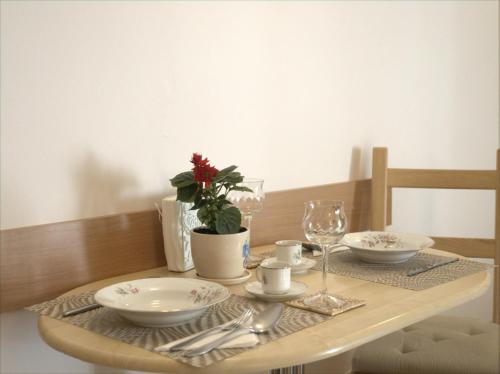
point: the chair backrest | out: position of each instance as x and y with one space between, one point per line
384 179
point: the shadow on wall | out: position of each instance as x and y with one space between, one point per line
359 164
358 171
104 189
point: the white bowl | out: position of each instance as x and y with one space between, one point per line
385 247
160 302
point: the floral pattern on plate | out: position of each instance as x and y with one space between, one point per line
127 290
205 295
385 240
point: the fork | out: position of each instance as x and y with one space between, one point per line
236 323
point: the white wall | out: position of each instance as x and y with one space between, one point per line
103 102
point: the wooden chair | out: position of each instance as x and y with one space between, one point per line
384 179
439 344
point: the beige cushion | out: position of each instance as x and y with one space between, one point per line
438 345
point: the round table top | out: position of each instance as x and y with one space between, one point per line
387 309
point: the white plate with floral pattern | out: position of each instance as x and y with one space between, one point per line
385 247
160 302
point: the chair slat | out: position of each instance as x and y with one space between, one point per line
447 179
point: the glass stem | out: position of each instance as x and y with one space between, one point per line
324 289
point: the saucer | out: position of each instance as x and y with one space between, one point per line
304 264
228 281
296 289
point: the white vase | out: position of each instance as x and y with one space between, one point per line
219 256
178 220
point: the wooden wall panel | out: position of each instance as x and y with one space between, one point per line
41 262
283 210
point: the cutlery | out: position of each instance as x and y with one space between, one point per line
262 323
81 309
425 268
234 324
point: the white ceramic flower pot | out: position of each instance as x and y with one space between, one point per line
219 256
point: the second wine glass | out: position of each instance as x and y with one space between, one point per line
324 224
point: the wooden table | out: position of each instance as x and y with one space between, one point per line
387 309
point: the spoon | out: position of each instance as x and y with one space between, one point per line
261 323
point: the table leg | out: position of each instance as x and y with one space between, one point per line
299 369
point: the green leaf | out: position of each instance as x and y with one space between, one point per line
242 188
222 201
197 198
228 221
183 179
233 178
200 204
199 195
187 194
224 173
203 214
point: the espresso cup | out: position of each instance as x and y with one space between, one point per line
289 251
274 278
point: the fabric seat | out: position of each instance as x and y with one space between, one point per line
439 345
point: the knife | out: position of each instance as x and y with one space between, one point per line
423 269
81 309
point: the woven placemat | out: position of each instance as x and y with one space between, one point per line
347 264
107 322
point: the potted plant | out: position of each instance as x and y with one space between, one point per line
220 247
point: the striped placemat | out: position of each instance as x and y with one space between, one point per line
107 322
347 264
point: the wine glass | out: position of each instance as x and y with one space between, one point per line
249 203
324 224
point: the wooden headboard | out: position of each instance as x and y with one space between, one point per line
40 262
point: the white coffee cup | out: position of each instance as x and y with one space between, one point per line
289 251
274 278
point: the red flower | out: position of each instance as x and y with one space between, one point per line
196 158
203 171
